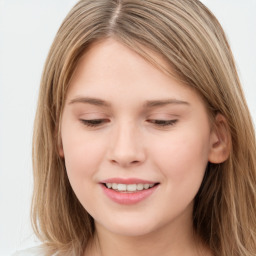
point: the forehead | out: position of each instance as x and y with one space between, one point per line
109 69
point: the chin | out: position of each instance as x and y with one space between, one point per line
131 231
132 227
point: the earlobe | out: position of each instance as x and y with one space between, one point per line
220 140
60 150
59 145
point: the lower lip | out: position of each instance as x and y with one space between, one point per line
128 197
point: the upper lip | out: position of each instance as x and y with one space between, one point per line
128 181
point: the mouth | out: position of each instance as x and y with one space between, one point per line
128 191
129 188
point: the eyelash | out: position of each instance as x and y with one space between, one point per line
163 123
99 122
93 122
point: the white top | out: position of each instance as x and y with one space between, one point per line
34 251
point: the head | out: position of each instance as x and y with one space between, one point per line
193 51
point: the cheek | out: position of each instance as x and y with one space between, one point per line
83 155
183 157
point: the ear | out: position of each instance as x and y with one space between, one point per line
60 149
220 140
59 143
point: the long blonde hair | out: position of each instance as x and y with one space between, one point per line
188 36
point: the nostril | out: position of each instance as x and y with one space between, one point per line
124 162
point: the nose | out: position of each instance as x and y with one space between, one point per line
126 147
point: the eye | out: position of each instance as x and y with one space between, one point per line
94 122
162 123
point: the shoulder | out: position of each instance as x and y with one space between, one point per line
34 251
40 251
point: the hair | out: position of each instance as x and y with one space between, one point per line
189 37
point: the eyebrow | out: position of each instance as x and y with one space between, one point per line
160 103
92 101
148 104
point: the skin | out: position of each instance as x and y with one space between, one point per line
129 142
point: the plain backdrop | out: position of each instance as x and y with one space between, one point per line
27 28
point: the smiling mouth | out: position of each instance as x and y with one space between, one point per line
129 188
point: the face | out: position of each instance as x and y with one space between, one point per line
135 141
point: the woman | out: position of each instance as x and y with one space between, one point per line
143 141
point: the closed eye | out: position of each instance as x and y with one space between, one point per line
162 122
94 122
99 122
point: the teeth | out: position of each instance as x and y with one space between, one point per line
146 186
121 187
128 187
131 187
139 186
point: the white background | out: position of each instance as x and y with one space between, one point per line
27 28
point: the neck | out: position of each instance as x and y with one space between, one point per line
170 240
